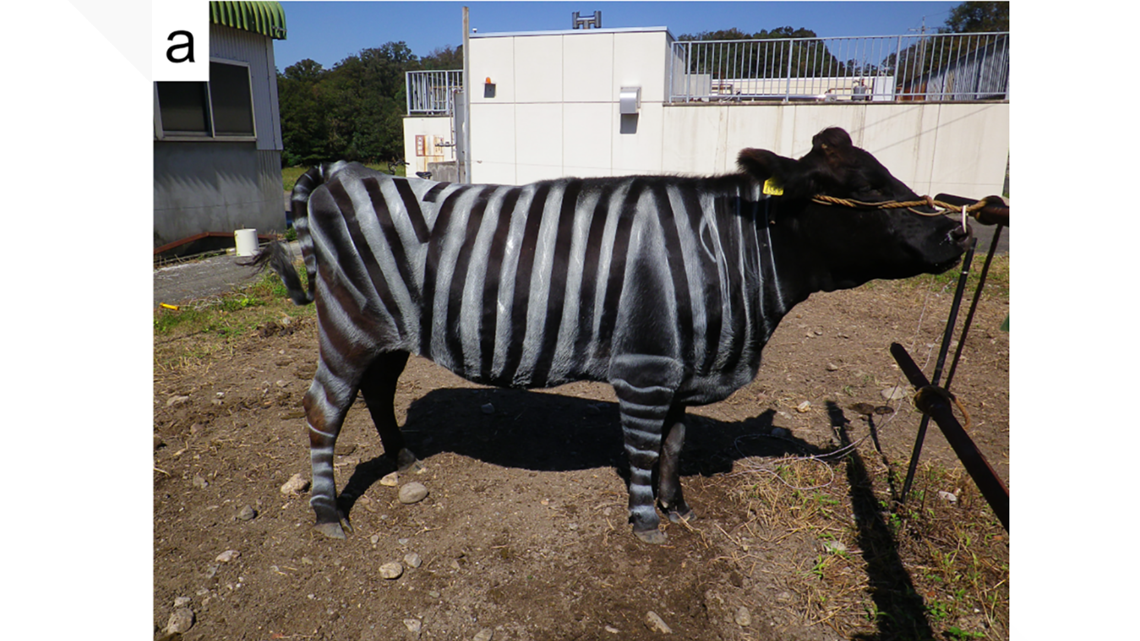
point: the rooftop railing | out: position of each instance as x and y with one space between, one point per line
432 92
940 67
933 68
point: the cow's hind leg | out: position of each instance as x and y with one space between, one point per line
379 389
669 494
644 386
326 404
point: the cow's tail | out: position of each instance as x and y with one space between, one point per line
279 257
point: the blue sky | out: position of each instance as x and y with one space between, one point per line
328 32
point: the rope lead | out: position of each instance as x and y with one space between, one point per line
909 204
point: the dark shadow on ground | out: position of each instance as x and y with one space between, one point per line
901 610
551 432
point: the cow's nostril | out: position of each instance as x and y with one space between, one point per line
960 235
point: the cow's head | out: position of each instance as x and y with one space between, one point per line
845 246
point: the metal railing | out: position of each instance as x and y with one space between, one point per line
432 92
939 67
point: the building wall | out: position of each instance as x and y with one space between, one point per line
215 186
438 142
555 105
555 112
219 185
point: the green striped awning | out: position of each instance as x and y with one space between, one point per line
266 18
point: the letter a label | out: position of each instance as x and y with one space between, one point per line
179 53
180 41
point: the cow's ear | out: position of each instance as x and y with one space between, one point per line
785 174
834 143
832 137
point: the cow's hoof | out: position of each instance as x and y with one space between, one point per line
681 517
335 530
654 537
408 463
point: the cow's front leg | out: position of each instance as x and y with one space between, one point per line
669 494
644 386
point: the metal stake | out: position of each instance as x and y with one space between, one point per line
974 303
966 260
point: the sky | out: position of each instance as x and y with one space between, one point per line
329 32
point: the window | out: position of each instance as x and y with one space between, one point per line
220 109
183 108
231 100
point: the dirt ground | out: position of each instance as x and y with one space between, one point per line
523 534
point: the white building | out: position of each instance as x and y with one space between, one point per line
548 104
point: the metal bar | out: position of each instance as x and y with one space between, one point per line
973 305
946 335
688 71
788 72
935 405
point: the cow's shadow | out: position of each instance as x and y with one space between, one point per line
553 432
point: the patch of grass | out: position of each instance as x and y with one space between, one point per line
930 568
166 321
289 176
217 322
958 634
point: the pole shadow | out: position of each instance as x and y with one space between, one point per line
901 611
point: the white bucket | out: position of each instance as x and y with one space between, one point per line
246 241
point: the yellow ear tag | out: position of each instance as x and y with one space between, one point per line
772 189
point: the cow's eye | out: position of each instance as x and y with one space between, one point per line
867 191
877 187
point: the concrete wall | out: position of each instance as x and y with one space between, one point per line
957 148
555 112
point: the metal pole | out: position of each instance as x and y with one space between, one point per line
895 71
465 163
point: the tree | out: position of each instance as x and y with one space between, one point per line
443 59
798 52
307 70
978 17
927 57
366 120
353 111
304 127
